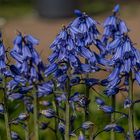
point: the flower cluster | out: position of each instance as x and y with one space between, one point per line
52 95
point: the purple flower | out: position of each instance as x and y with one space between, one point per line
114 127
83 102
81 136
50 69
45 89
31 40
2 56
113 26
75 80
15 96
27 58
91 82
99 101
1 108
107 109
87 27
87 125
23 116
44 125
61 127
14 136
116 8
49 113
75 97
137 134
137 77
127 103
45 103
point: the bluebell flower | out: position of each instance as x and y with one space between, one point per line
61 81
91 82
25 90
50 69
137 134
114 127
61 97
81 136
44 126
118 129
45 89
122 27
75 80
20 80
26 57
127 103
18 43
83 102
16 56
15 96
29 107
107 109
116 8
99 101
2 56
137 77
1 108
31 40
23 116
75 97
14 70
87 26
65 48
33 74
14 136
87 125
125 59
49 113
12 84
113 26
45 103
26 52
111 91
61 127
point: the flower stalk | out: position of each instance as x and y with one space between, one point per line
67 109
6 115
131 111
27 131
56 119
113 115
87 96
35 115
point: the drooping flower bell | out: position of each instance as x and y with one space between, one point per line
125 59
87 26
113 26
2 56
28 61
88 31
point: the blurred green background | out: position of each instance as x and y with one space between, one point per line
22 15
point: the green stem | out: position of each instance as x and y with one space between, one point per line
35 114
27 134
67 109
130 116
27 131
56 119
87 96
57 113
91 132
113 115
6 115
67 119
